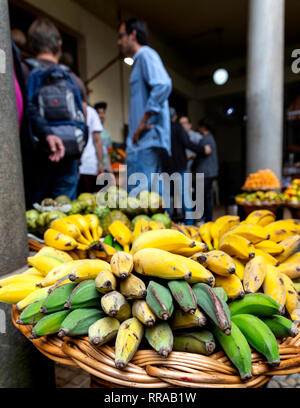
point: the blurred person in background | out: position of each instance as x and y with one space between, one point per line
149 118
194 137
207 165
101 108
91 161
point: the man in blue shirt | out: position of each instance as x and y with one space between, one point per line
149 133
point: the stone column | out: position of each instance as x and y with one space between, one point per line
13 239
265 85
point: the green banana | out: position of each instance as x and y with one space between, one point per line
108 240
281 326
259 336
160 337
221 292
201 342
77 323
182 320
31 314
213 305
83 295
103 330
115 305
159 299
57 298
50 324
237 350
257 304
183 294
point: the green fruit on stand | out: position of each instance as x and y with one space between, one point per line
32 217
163 218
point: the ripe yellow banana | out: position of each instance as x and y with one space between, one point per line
87 269
133 287
143 313
194 232
82 224
44 263
204 231
216 261
268 257
232 286
36 295
280 230
292 303
121 264
198 271
33 271
19 279
273 285
128 340
293 259
64 256
237 246
66 227
16 292
289 246
255 272
292 269
141 226
270 247
74 255
239 268
95 229
121 233
253 233
260 217
105 282
221 226
156 225
57 273
61 241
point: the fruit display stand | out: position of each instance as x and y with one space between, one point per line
295 209
149 370
249 206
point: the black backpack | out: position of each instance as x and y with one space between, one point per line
57 98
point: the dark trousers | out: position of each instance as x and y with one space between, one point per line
208 199
87 184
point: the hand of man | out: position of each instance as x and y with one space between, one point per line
56 147
100 169
142 127
207 149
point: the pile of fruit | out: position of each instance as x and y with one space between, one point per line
260 198
117 157
227 285
262 180
292 193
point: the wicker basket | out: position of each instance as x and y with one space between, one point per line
149 370
248 207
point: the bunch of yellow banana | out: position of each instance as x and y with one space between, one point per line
221 226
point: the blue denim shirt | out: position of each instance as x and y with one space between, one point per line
150 87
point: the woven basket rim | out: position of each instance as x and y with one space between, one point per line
149 370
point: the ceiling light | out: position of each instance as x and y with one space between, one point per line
128 61
220 76
229 111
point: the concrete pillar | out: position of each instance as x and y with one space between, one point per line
13 238
265 85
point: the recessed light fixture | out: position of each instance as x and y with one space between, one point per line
220 76
128 61
229 111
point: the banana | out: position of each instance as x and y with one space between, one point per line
239 268
160 263
133 287
289 246
83 226
184 296
237 350
56 300
167 239
156 225
297 286
204 231
213 306
143 313
259 336
280 230
232 286
115 305
199 247
216 261
87 269
32 272
281 326
255 272
61 241
182 320
268 257
257 304
44 263
159 300
50 324
121 234
82 295
273 285
121 264
221 293
253 233
66 227
15 292
105 282
81 254
58 273
19 279
198 272
95 229
237 246
128 340
200 342
46 250
160 337
141 226
77 323
292 303
31 314
221 226
260 217
292 270
39 294
194 232
103 331
270 247
294 258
